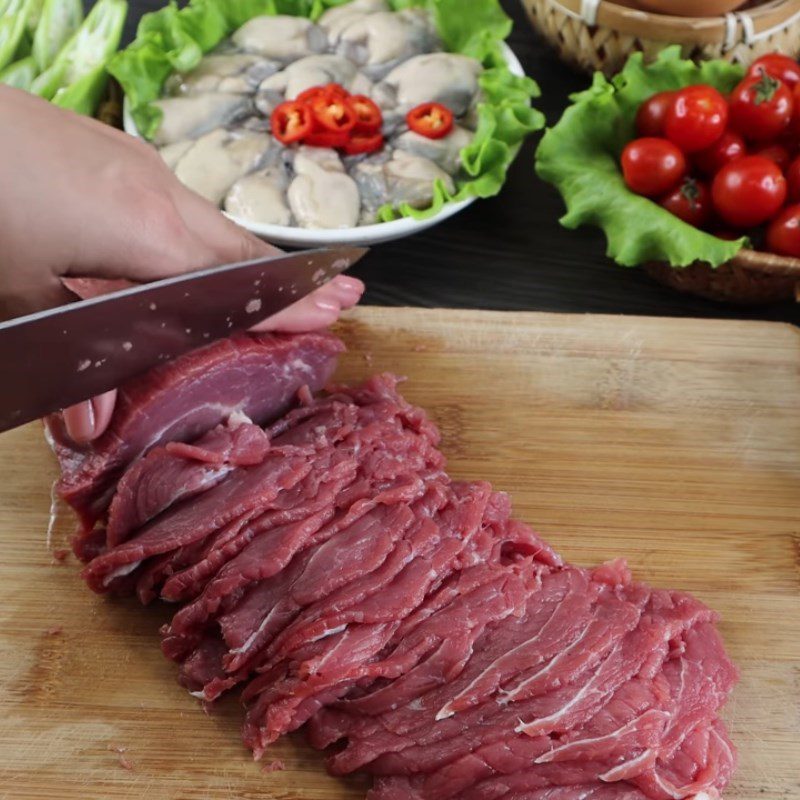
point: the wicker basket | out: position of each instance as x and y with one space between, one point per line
600 35
752 278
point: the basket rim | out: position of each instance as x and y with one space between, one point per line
768 263
760 21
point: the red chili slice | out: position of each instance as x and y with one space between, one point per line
333 115
368 116
291 122
360 143
432 120
329 90
320 138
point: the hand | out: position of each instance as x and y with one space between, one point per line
89 200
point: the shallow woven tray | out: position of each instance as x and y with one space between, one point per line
752 278
600 35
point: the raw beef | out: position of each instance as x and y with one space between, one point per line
254 374
328 566
176 471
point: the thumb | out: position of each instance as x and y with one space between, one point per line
228 241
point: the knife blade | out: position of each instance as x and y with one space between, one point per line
52 359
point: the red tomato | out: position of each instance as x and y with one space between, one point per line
777 153
782 67
793 181
728 235
783 234
794 126
652 114
761 108
727 148
748 191
691 202
697 118
652 166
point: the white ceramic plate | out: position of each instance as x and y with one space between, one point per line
362 235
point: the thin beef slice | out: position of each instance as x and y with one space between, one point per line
258 375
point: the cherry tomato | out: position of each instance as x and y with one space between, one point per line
652 166
761 108
782 67
793 132
748 191
725 233
691 202
727 148
777 153
793 181
697 118
652 114
783 234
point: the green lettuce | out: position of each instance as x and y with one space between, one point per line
580 157
174 39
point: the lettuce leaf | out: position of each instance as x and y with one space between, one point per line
580 157
174 39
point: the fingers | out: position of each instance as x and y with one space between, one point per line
79 422
225 239
103 407
318 309
87 420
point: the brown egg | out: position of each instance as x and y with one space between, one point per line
691 8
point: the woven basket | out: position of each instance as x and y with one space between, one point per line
752 278
600 35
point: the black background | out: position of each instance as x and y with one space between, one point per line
510 252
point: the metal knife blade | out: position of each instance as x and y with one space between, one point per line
58 357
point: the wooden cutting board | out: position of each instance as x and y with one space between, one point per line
675 443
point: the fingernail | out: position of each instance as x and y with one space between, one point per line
354 284
79 421
103 408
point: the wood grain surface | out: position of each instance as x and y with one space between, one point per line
675 443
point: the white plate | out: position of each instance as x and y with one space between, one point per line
362 235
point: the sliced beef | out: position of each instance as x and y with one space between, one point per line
178 471
294 518
247 493
328 564
401 788
271 603
258 375
410 738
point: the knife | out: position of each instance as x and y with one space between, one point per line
58 357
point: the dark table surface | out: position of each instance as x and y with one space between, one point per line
509 252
